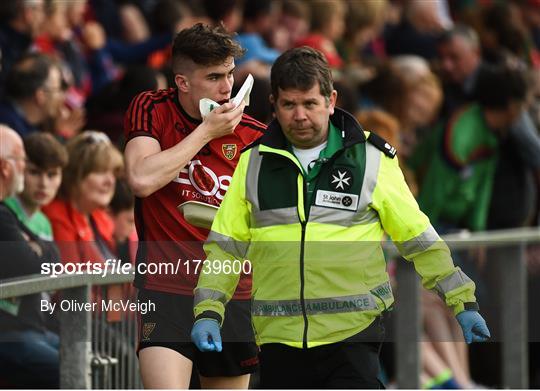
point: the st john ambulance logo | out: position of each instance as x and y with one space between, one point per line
229 150
341 179
347 201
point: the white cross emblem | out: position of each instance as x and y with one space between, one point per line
340 179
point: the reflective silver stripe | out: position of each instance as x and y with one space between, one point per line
373 160
319 214
453 281
266 218
276 308
383 291
330 305
229 245
202 294
422 242
252 177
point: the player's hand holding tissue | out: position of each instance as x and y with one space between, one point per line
207 105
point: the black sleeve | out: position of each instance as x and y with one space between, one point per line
16 256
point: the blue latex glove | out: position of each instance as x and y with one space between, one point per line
206 335
474 326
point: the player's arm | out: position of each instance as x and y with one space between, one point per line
149 168
229 238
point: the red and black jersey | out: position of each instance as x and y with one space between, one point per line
164 233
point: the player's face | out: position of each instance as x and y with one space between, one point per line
213 82
304 115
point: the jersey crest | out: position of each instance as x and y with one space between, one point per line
229 150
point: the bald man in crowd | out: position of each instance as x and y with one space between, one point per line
29 356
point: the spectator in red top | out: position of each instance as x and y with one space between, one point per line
327 27
81 226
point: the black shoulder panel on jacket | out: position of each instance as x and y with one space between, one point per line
381 144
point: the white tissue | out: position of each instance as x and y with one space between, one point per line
207 105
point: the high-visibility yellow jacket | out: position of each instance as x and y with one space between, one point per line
314 239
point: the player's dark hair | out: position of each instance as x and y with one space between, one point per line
204 45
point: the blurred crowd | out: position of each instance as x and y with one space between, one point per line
454 86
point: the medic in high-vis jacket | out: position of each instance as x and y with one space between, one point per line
308 206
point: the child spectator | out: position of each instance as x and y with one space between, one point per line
46 158
122 213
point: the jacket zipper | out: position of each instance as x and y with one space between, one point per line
302 277
302 245
302 284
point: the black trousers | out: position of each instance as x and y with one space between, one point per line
352 363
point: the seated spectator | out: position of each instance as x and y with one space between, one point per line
259 18
169 15
29 356
458 61
46 158
105 54
81 225
20 23
34 94
415 100
107 108
135 25
56 40
226 12
423 97
327 27
421 24
503 28
456 191
364 25
293 24
122 211
518 155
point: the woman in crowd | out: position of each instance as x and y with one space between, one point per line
81 226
